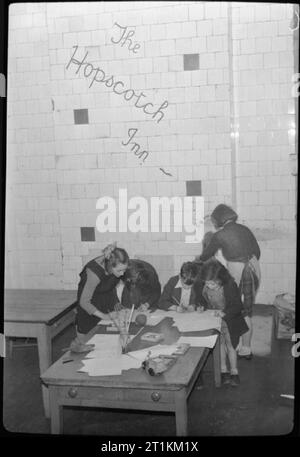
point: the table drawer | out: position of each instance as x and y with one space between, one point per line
108 394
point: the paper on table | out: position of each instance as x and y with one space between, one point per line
106 323
158 349
105 352
199 341
195 321
109 366
103 341
129 362
154 319
102 367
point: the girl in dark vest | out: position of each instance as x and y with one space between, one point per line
95 297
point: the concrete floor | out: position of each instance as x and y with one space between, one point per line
254 408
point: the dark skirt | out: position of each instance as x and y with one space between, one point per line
237 327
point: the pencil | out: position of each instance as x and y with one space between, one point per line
176 301
130 317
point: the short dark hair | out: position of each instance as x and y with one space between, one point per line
222 214
138 277
189 272
213 270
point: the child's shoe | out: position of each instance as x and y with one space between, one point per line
247 357
234 380
245 353
225 379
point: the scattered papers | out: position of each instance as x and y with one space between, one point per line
158 349
106 358
104 341
154 319
199 341
195 321
102 367
109 366
189 321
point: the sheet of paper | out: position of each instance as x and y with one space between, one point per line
158 349
194 321
102 367
104 353
129 362
104 341
154 319
199 341
109 366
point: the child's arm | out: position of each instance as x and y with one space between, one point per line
211 249
166 300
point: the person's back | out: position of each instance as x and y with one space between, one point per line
236 241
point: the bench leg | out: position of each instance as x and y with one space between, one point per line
56 413
217 362
45 360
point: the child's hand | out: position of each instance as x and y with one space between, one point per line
200 309
143 307
190 308
173 308
219 313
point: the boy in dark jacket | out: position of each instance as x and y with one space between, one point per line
142 286
179 293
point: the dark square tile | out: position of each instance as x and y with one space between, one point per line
191 62
193 188
87 233
81 116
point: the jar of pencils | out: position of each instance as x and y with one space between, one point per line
123 339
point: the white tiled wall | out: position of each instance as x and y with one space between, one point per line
56 170
262 66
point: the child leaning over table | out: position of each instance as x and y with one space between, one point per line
179 292
221 293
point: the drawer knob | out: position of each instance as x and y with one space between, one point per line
72 392
155 396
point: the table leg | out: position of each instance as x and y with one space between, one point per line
56 411
45 360
217 362
181 416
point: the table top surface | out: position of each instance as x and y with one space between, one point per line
37 305
178 376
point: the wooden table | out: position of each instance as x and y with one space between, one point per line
134 389
41 314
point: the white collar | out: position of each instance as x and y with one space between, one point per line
178 285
